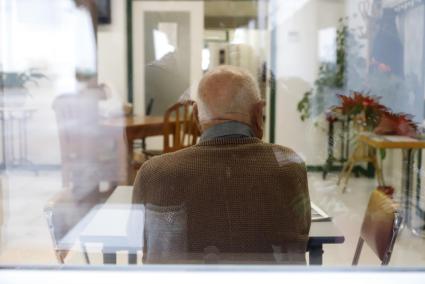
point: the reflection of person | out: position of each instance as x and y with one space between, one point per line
231 197
166 80
387 53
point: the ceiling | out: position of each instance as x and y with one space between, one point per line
232 14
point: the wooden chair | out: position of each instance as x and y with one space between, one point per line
89 153
180 130
380 227
361 154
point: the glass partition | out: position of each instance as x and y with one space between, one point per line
259 132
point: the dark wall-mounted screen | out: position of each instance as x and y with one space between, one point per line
103 11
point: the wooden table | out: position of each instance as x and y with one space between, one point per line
408 146
133 127
136 127
390 141
118 225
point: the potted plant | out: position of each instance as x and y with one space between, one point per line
365 111
368 114
13 86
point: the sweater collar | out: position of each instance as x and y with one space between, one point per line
229 129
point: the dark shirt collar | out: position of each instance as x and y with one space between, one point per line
230 129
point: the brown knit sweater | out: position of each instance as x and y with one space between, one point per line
238 196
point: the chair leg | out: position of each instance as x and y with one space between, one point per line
347 176
342 173
379 173
355 157
358 251
346 170
348 167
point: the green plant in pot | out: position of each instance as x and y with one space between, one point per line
13 86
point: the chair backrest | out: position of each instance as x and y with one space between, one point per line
90 153
77 120
380 227
179 123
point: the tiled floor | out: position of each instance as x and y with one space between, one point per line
26 240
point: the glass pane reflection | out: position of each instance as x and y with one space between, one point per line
88 101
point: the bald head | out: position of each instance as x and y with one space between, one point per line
228 93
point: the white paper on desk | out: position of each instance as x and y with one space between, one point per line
109 221
395 138
113 220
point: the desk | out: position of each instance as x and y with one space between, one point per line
136 127
408 146
127 231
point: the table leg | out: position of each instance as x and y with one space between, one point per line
3 140
109 258
20 124
329 160
132 257
9 156
418 222
130 153
316 254
347 139
407 176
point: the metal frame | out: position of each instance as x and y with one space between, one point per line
396 228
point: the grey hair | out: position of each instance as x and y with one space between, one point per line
240 92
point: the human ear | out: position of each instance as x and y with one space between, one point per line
257 119
195 114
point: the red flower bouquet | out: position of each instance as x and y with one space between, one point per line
366 110
396 124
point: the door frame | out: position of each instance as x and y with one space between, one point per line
136 25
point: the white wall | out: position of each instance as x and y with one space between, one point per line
297 67
52 51
112 50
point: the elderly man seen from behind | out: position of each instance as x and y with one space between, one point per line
231 198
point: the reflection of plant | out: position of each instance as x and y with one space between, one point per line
360 105
396 124
369 114
19 79
331 76
304 107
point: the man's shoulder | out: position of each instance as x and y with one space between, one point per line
285 154
168 159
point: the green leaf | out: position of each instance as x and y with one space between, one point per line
382 154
